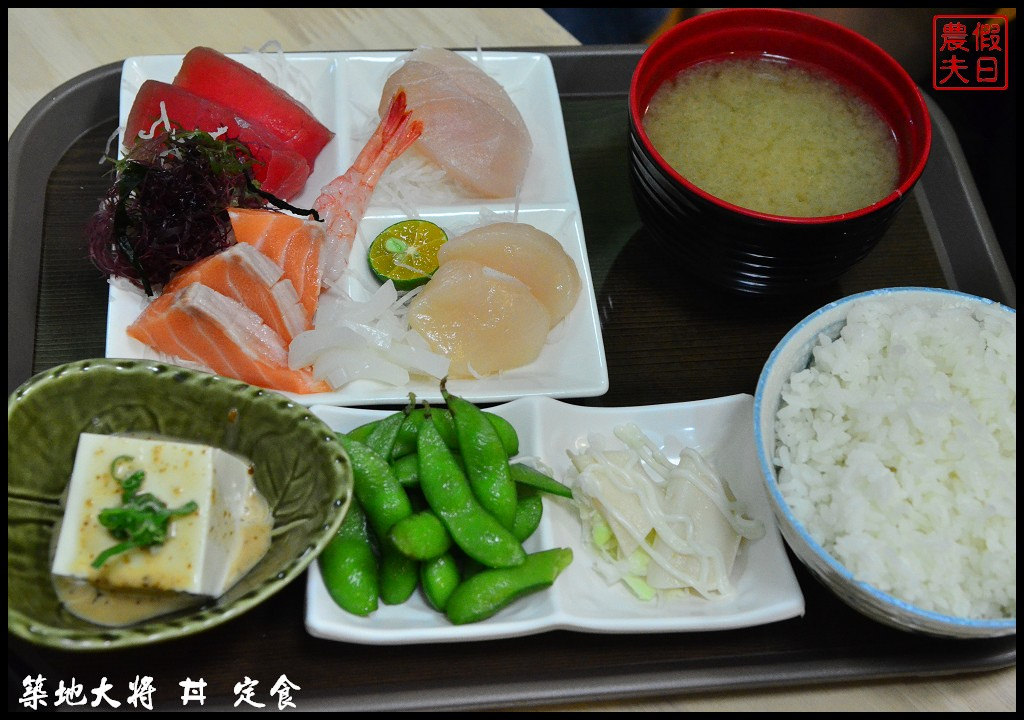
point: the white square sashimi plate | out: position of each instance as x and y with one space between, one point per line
765 587
343 90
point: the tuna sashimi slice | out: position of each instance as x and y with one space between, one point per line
201 326
483 320
292 243
280 170
527 254
471 127
246 275
215 76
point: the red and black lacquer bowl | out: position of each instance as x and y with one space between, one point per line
746 251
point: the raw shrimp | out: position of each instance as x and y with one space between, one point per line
343 202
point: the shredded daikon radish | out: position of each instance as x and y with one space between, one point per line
272 63
658 525
110 143
162 120
412 181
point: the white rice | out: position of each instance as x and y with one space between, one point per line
897 451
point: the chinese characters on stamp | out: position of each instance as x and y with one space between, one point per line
970 52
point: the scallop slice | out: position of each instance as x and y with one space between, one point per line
530 255
483 320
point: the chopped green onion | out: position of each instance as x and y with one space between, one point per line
142 520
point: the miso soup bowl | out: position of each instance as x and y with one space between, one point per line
742 250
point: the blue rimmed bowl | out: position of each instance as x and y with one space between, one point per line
300 468
793 354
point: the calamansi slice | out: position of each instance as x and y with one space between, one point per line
406 253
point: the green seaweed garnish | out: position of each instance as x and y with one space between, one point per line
142 520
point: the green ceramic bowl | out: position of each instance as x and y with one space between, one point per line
301 469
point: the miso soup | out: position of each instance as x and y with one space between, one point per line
773 138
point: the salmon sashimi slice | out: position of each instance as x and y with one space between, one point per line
245 274
201 326
471 127
292 243
527 254
483 320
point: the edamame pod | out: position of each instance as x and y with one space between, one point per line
382 438
449 495
382 497
421 536
486 460
407 468
363 432
507 433
484 594
529 510
349 567
439 578
405 443
526 475
399 575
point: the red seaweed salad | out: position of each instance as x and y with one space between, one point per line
167 207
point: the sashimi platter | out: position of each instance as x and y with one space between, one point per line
402 230
467 152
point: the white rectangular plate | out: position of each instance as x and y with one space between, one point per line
765 587
343 91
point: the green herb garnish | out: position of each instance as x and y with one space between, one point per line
142 520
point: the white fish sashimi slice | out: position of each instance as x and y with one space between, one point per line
471 127
484 321
526 253
470 78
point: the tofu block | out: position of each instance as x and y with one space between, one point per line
204 551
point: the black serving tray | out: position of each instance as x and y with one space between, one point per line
667 338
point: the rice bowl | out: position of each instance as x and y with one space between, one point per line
891 460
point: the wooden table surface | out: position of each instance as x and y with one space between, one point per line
49 46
